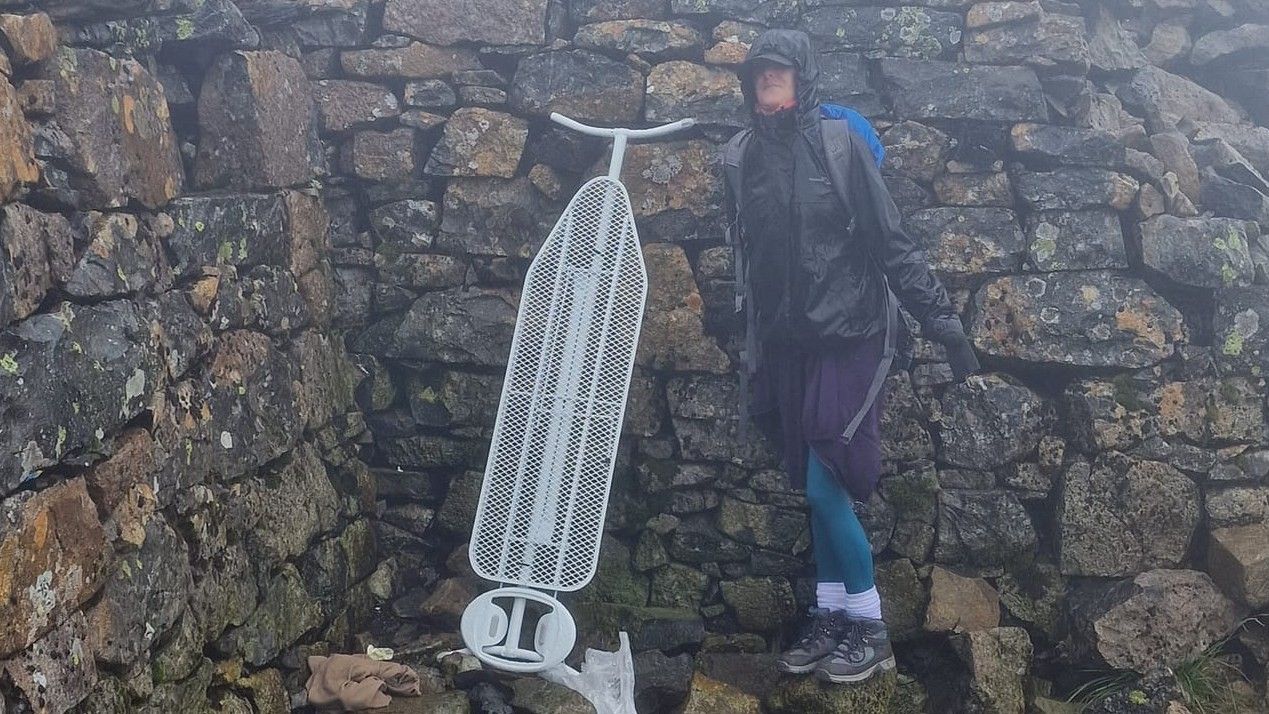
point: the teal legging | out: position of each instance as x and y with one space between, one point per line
842 552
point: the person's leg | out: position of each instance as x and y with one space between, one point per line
843 538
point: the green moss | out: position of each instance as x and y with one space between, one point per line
1126 394
1233 345
8 363
1138 698
184 28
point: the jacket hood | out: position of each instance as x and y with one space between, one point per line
795 47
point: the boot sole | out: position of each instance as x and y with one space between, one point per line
798 668
882 666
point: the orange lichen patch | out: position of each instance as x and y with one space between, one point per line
203 293
1140 325
239 355
129 106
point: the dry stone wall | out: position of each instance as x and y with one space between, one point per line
261 270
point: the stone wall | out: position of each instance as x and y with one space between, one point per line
206 195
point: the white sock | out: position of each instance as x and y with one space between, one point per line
830 596
865 604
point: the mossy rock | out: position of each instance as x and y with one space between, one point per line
808 695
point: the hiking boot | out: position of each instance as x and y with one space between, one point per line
863 651
819 638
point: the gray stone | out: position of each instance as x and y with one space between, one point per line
653 39
1075 240
1105 415
1090 319
696 540
978 189
1242 330
922 89
217 23
579 84
1111 47
37 254
760 604
1053 42
457 326
1160 617
650 628
413 61
1239 562
57 672
998 661
239 230
430 94
915 150
1205 253
678 89
538 696
479 142
991 423
761 525
404 226
903 598
983 528
286 613
969 242
844 77
1119 516
505 22
661 682
1226 45
673 336
380 155
1075 189
895 32
705 413
583 11
1236 506
1067 145
255 127
495 217
679 586
1172 98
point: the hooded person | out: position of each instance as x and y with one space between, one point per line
817 266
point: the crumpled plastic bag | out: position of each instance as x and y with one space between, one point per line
606 680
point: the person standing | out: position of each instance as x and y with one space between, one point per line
820 267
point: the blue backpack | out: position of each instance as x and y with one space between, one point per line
859 124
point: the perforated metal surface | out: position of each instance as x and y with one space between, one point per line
550 464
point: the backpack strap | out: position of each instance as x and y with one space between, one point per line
839 152
733 190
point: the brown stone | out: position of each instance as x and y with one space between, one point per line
656 39
37 97
17 159
54 551
308 227
677 90
1238 559
579 84
960 604
667 177
479 142
39 250
31 38
345 104
381 156
709 696
121 486
444 607
254 123
58 671
120 142
499 22
414 61
990 189
672 336
998 661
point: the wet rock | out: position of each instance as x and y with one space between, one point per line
240 230
903 598
844 77
39 252
506 22
1075 240
1160 617
1067 145
915 150
1172 98
676 90
705 413
579 84
118 138
1210 410
661 682
1232 199
650 628
141 599
903 429
1248 140
479 142
58 671
413 61
381 155
120 259
983 528
696 540
538 696
808 695
709 696
761 525
1173 149
1242 330
1090 319
1169 41
969 241
672 336
1035 595
1075 189
1111 47
216 24
676 189
446 398
255 128
48 578
1119 516
1210 253
1107 415
986 425
286 613
998 661
1226 45
652 39
62 398
583 11
430 94
495 217
469 327
896 32
29 38
1237 506
461 501
987 189
922 89
1052 42
346 104
1239 562
283 519
445 604
677 585
960 604
189 695
761 604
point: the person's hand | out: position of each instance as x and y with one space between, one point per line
961 357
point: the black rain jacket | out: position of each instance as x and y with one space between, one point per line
817 281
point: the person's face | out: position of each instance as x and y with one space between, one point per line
773 85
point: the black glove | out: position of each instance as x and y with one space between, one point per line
960 355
